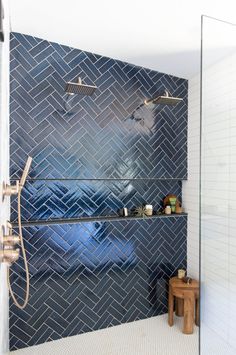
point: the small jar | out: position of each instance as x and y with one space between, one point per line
178 209
148 210
125 213
168 210
181 274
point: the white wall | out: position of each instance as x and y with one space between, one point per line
218 229
4 173
218 207
218 194
167 40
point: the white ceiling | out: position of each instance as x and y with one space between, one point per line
157 34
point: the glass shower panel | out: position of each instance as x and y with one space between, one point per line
218 188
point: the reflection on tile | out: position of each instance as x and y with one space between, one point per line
67 199
90 276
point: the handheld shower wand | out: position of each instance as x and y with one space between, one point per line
21 185
25 172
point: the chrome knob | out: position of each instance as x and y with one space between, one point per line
11 239
9 255
9 190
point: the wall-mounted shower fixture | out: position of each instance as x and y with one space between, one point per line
9 190
8 241
165 99
79 88
8 253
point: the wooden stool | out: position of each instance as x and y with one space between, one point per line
186 302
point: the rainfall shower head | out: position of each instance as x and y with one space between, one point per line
79 88
25 172
165 99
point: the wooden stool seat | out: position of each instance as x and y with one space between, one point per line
186 297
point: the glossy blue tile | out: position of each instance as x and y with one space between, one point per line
121 88
67 199
116 275
92 275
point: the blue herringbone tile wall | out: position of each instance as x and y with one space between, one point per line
90 276
43 200
92 137
93 275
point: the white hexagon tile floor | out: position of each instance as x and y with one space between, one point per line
151 336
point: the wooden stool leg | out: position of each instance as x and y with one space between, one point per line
197 311
179 307
188 312
170 307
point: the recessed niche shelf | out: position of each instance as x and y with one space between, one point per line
93 219
31 180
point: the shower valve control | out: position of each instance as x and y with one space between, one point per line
11 240
9 190
9 255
